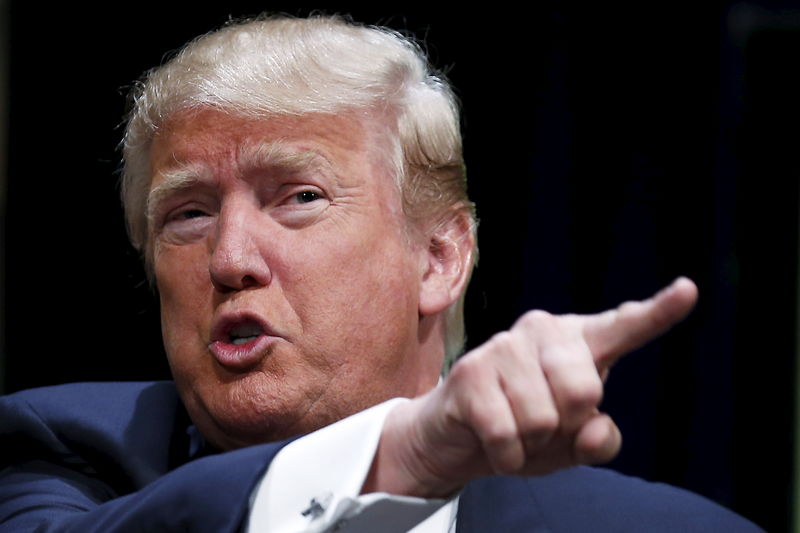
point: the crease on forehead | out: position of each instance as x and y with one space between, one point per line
277 155
255 156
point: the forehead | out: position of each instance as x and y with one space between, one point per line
215 139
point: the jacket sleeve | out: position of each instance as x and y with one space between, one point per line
210 494
109 469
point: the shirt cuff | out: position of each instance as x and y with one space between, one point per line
313 485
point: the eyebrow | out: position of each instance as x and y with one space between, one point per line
250 157
173 181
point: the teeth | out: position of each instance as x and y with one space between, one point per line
244 333
244 340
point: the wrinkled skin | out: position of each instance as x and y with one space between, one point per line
311 243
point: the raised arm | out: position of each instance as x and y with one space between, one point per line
525 402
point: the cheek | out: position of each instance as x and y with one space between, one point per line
180 272
183 287
365 284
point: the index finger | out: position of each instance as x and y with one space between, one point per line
616 332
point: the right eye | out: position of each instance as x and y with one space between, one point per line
186 224
189 214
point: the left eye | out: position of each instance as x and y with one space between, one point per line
305 197
191 213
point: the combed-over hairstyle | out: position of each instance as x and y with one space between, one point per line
280 65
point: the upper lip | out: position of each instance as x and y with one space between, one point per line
225 323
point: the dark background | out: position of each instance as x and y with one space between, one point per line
609 151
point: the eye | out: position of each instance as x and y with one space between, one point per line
190 214
305 197
186 224
301 205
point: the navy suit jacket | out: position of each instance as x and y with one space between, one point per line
116 457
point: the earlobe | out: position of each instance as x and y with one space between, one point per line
448 262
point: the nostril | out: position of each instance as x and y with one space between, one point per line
221 287
249 281
235 272
227 286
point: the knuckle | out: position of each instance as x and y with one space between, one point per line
496 436
465 369
502 342
630 307
583 394
543 421
502 339
535 319
571 318
558 354
568 357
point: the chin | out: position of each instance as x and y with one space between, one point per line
242 413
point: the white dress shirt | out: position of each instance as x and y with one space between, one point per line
313 486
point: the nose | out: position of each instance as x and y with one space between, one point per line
237 262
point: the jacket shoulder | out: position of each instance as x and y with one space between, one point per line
113 457
132 429
595 499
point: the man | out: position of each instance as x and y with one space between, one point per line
297 190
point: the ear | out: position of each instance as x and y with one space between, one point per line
448 262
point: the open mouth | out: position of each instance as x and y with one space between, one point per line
239 341
244 333
238 330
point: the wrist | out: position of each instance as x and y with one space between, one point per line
400 465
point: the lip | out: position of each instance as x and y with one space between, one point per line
240 356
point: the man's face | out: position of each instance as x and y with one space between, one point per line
289 283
